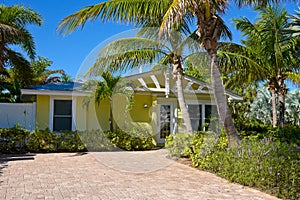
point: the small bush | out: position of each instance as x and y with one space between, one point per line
13 140
179 145
135 139
95 140
42 141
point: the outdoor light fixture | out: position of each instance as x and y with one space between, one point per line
145 105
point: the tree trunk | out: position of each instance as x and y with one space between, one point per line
209 33
111 118
178 72
274 109
281 98
221 101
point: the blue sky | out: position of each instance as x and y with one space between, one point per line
68 52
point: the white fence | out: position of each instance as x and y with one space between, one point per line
23 114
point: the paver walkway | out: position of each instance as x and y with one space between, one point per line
112 175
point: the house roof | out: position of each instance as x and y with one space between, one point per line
151 81
58 88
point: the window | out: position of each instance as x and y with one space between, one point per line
210 113
62 115
165 120
195 112
200 118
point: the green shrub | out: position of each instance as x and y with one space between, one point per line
204 145
289 135
95 140
271 166
13 140
135 139
42 141
69 141
179 145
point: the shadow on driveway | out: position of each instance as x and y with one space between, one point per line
5 158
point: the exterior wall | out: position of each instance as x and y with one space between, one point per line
102 115
22 114
140 111
153 111
144 112
42 111
81 114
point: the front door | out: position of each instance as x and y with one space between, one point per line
165 123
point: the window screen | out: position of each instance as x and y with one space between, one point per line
195 112
62 118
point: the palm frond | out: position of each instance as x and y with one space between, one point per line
127 53
134 11
294 77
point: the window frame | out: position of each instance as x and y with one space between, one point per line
203 103
51 112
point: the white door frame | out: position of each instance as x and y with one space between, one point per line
173 117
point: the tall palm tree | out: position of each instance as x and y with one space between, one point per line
13 31
266 54
210 28
129 53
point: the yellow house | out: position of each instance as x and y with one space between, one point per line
61 106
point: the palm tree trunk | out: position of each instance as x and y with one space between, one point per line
281 98
111 125
274 110
178 72
221 101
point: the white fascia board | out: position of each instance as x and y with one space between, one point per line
53 92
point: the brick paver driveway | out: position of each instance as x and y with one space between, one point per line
111 175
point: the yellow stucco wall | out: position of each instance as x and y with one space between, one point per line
81 114
96 116
138 112
42 111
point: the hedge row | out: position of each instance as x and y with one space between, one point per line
16 140
271 164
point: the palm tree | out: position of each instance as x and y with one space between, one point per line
295 24
104 89
266 54
293 108
13 22
261 108
42 75
131 53
210 28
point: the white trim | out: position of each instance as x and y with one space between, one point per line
172 102
188 86
203 114
51 112
155 81
54 92
143 83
